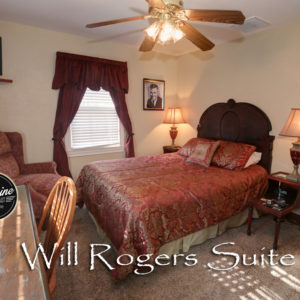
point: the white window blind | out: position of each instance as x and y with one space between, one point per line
96 124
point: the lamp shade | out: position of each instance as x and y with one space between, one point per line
292 126
174 116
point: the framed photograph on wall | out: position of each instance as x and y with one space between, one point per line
154 94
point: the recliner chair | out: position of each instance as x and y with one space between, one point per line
39 177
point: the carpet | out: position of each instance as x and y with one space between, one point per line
260 281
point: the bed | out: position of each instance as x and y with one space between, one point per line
147 203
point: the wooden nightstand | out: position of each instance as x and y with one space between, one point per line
170 149
281 198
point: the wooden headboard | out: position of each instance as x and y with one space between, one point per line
239 122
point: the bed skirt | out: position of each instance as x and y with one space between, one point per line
183 244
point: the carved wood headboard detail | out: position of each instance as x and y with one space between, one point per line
239 122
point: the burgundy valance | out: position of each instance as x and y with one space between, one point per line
91 72
73 75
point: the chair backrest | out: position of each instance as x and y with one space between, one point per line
11 153
58 211
16 142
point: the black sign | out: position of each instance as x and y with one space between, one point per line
8 196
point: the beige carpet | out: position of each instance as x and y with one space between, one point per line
182 282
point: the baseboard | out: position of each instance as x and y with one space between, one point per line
293 218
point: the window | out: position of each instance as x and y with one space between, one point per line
96 127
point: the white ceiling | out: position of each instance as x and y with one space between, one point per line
71 16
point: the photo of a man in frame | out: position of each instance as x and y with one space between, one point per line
154 94
155 101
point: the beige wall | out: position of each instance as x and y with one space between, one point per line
28 105
262 69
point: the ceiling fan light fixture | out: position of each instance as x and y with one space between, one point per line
167 28
170 31
164 36
178 35
153 30
171 23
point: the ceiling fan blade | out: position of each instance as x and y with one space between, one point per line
156 3
196 37
147 44
218 16
93 25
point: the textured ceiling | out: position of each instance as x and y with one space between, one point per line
71 16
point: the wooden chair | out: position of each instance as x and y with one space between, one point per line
58 214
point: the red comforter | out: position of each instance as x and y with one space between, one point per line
143 203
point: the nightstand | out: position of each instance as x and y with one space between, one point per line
170 149
281 198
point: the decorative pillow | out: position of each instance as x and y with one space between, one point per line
9 165
189 147
232 155
203 153
5 146
253 159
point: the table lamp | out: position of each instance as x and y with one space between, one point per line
292 129
174 116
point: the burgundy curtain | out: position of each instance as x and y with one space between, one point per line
73 75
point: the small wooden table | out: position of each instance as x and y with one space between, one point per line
292 199
17 281
171 149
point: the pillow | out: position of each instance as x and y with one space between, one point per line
9 165
233 156
189 147
203 153
253 159
5 146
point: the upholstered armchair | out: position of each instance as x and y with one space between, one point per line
39 177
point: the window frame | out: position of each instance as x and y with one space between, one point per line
94 150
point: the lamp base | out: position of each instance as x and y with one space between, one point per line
293 178
295 175
295 156
173 134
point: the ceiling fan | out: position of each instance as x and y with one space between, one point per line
171 23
